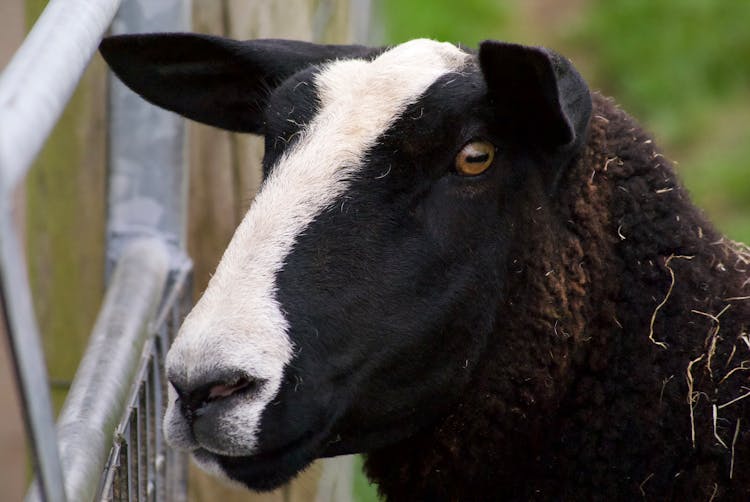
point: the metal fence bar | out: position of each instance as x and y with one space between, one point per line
28 357
147 154
34 88
39 80
360 21
149 471
99 392
147 196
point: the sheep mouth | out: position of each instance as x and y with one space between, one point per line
268 470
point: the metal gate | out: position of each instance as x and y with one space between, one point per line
107 444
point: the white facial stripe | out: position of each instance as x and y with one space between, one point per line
238 322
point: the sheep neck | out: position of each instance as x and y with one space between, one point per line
577 391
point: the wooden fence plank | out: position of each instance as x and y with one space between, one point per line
12 433
225 173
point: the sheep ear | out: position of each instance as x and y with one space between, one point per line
538 92
217 81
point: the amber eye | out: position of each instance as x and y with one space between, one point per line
475 158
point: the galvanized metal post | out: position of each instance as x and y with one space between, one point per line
41 77
147 159
147 192
99 394
145 234
145 241
28 356
34 88
360 21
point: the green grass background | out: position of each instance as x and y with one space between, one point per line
682 67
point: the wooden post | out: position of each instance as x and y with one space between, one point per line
225 173
13 451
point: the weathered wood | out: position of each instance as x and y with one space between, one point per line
12 433
225 173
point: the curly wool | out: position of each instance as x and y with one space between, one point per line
621 364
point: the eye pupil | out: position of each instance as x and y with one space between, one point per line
478 158
475 158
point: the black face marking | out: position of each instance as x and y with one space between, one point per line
389 317
291 107
353 305
392 292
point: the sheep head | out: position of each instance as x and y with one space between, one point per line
361 288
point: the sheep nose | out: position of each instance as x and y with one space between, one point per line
195 397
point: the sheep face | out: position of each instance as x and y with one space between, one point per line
359 291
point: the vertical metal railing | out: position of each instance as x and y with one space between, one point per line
56 50
118 389
146 196
140 466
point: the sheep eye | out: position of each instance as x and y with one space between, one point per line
474 158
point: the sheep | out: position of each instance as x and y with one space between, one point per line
465 265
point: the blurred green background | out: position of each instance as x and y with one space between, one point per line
682 67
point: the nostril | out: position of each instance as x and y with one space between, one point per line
222 390
192 402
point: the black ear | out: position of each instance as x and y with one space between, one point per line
214 80
539 92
